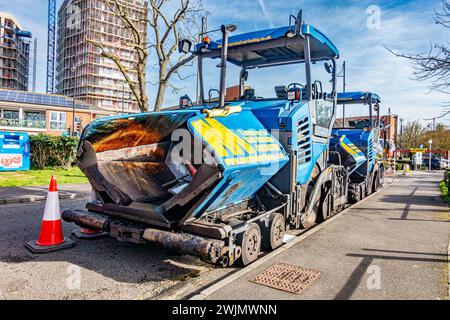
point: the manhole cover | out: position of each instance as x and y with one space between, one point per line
287 278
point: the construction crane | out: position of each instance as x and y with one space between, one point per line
51 41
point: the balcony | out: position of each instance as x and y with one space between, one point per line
26 124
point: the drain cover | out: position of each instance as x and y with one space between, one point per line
287 278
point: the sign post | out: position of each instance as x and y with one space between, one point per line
417 160
429 160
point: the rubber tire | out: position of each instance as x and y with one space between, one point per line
376 184
363 192
311 220
324 205
252 231
272 238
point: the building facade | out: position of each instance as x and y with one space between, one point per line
14 53
391 126
81 71
36 113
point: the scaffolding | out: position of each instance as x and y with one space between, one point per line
81 71
14 54
51 41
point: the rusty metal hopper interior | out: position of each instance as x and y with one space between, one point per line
129 165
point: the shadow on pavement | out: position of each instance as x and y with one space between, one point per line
420 200
401 209
122 262
367 259
418 220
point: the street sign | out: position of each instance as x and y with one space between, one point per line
418 150
418 159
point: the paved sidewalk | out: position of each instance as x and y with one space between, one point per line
39 193
392 246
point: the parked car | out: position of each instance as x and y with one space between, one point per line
435 163
445 164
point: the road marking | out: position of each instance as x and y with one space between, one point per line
221 284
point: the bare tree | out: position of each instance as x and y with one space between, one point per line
434 65
167 25
138 42
413 134
168 29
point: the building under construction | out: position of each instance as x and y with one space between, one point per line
14 53
81 71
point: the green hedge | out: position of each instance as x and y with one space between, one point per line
447 178
52 151
444 189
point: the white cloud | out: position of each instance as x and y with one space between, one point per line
265 12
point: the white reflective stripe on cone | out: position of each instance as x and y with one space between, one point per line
52 211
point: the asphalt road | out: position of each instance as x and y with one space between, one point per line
98 269
402 232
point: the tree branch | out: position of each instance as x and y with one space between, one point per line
178 65
105 53
433 66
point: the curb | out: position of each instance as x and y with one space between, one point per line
219 285
32 199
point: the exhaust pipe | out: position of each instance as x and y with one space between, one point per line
86 220
209 249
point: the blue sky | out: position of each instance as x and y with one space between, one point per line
406 26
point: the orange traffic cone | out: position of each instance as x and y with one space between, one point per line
89 234
51 235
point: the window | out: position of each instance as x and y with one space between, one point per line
107 103
324 113
34 119
11 114
34 116
58 121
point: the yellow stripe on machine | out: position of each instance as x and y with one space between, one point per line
267 147
221 139
352 150
254 159
256 146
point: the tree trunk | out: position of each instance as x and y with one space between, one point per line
143 102
142 76
162 86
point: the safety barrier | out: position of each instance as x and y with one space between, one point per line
391 168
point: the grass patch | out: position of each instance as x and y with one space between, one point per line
41 177
444 190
